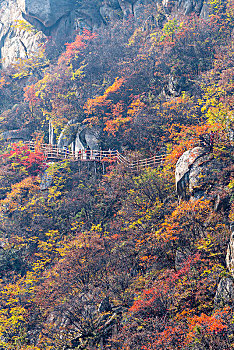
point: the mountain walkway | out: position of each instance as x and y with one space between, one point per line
54 153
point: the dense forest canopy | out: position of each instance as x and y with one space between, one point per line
117 260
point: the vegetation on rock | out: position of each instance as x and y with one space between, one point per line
93 261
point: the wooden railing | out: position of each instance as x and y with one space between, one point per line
52 152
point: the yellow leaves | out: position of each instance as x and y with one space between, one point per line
206 243
17 197
97 228
91 104
52 233
27 66
39 265
25 26
135 107
78 73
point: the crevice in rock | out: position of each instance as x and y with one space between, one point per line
40 26
25 48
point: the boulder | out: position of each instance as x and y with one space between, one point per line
205 12
81 136
183 167
15 43
108 13
126 7
139 9
105 305
47 12
204 175
197 175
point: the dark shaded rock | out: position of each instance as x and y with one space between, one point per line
183 166
181 258
105 305
47 12
68 134
21 134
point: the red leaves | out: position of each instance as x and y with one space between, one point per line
205 324
21 157
74 48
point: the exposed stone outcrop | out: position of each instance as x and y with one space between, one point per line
83 308
225 292
68 134
230 252
81 137
47 177
60 20
197 175
16 135
88 137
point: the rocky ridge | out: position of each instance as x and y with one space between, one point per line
58 21
198 175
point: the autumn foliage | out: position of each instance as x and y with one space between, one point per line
116 260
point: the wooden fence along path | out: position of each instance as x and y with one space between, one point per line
52 152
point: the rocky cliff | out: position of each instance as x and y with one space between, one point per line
199 174
58 21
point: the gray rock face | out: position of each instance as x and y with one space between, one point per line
105 305
225 292
47 12
80 136
68 134
230 252
23 134
60 20
197 174
47 177
14 43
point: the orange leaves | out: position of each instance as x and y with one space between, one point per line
115 86
19 193
74 48
206 326
184 221
30 95
110 113
3 82
187 137
135 107
101 101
